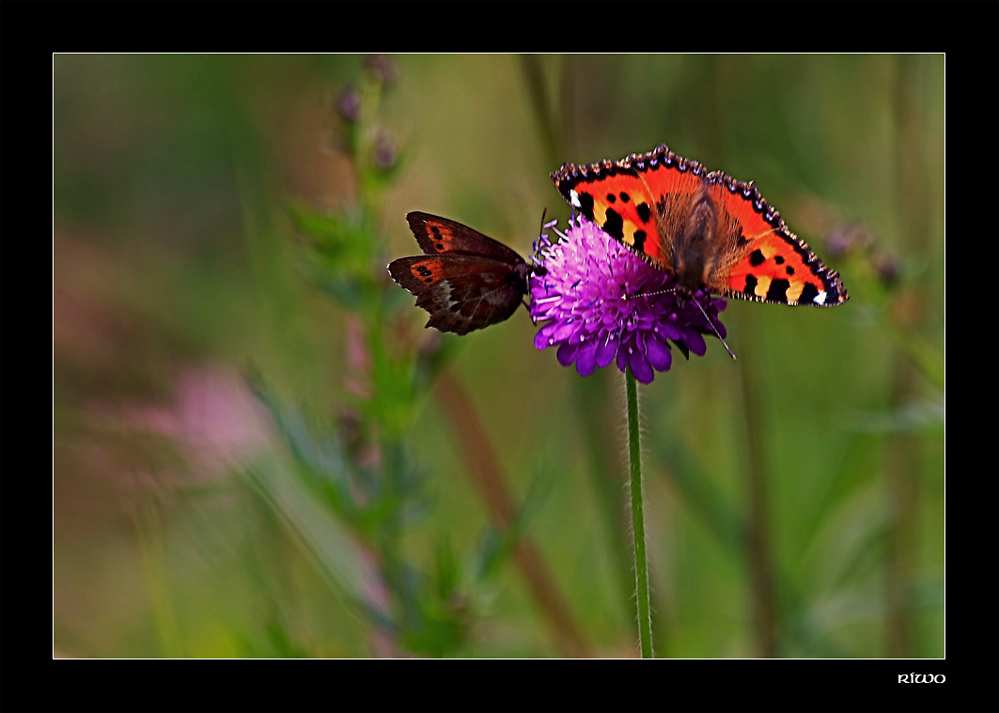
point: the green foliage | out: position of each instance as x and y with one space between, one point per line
371 482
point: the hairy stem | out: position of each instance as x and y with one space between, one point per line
638 520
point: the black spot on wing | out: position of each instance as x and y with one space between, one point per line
614 226
778 290
644 212
640 240
756 258
586 205
809 293
750 288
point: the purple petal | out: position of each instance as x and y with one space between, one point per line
586 361
668 330
658 352
549 331
641 368
567 353
623 354
541 338
606 349
694 342
564 330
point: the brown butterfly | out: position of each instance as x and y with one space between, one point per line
465 280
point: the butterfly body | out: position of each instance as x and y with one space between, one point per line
464 279
710 230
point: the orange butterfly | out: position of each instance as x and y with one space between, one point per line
708 229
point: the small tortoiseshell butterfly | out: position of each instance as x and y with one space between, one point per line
465 280
708 229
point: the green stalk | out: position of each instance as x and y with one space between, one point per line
638 520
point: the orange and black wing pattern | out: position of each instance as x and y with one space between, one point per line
642 201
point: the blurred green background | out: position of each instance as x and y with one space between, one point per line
260 452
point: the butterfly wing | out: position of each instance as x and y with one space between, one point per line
462 293
440 236
625 197
762 259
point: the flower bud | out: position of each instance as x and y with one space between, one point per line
348 103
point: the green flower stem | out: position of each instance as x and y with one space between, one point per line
638 520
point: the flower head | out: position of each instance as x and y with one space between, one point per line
600 303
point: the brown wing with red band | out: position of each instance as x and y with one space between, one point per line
465 280
440 236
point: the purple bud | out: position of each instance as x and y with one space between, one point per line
385 152
348 103
382 67
886 265
846 239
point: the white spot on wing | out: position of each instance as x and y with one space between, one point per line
574 199
820 299
451 302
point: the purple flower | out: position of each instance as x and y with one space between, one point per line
601 302
348 103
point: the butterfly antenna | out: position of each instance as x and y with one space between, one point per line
540 243
541 230
712 325
538 247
